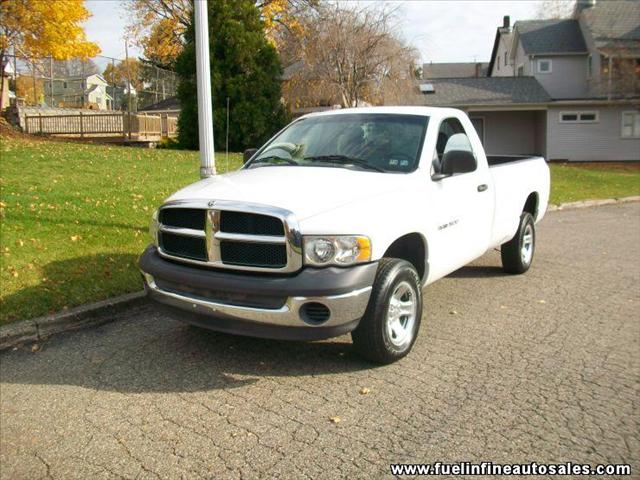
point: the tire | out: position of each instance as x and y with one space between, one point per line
517 253
384 334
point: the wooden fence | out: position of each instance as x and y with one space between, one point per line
140 127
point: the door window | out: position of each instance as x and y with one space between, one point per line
451 135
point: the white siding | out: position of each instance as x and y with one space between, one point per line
599 141
503 46
522 59
568 76
512 133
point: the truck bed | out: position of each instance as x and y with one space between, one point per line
494 160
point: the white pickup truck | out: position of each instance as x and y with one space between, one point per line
338 223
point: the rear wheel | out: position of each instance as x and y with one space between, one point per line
517 253
389 327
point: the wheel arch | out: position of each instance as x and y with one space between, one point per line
414 248
531 205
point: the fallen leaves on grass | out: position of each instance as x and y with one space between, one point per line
365 391
335 419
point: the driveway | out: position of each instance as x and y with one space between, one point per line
541 367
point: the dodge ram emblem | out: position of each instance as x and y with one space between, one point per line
211 203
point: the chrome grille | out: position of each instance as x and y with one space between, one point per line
193 218
268 255
250 223
232 235
183 245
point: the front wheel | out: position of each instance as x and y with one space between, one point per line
390 325
517 253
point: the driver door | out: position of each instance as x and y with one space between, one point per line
463 207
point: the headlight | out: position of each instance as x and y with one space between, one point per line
153 228
336 250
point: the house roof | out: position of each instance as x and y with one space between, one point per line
550 36
454 70
457 92
614 25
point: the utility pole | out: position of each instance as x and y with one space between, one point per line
205 114
126 62
113 85
50 81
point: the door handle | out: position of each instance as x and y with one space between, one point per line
483 187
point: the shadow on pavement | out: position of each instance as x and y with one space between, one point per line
478 271
147 352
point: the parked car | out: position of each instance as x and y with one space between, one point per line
338 223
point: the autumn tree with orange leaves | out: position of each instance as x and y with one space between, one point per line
159 26
37 29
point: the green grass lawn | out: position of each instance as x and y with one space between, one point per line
75 216
570 183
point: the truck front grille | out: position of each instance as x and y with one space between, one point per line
183 246
266 255
193 218
250 223
226 238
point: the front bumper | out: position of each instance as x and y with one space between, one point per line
344 292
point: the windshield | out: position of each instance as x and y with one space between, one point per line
380 142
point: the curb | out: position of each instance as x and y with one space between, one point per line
92 314
591 203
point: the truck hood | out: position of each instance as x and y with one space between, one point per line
306 191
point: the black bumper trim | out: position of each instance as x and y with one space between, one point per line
309 282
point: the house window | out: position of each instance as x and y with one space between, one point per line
630 124
521 70
64 84
589 66
498 64
579 117
505 59
544 66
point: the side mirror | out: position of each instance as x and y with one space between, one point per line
248 153
458 161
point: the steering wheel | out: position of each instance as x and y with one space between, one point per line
290 148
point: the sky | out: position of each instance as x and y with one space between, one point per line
441 30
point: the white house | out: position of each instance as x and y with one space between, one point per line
568 89
87 92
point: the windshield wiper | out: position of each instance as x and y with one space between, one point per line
345 160
274 159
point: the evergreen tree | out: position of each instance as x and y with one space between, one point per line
244 67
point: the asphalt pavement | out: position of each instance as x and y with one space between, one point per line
540 367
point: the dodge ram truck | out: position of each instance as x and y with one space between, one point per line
338 223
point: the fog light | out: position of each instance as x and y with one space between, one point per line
314 313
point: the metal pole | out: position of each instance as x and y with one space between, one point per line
51 81
205 113
33 77
113 85
157 81
126 60
227 142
